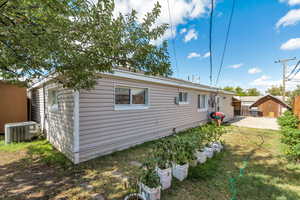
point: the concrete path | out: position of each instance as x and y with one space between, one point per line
256 122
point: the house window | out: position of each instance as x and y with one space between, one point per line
202 102
130 98
183 97
122 96
53 100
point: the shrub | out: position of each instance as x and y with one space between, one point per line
288 119
288 123
291 137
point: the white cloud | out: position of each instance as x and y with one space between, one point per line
206 55
236 66
291 44
181 10
290 2
193 55
254 70
182 31
264 81
291 18
191 35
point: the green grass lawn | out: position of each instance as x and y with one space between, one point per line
37 171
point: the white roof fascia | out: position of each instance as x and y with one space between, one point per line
160 80
147 78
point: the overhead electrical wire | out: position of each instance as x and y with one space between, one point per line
226 41
210 40
291 73
295 74
173 39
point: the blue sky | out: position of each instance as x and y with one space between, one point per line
255 42
262 32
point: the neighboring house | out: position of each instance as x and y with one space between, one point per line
266 106
124 109
13 104
270 106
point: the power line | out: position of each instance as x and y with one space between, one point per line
291 73
295 74
226 41
210 40
173 38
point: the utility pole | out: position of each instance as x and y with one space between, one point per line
284 65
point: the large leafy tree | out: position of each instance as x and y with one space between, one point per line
74 40
253 92
275 90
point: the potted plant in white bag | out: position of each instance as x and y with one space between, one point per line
199 153
183 152
149 182
208 133
217 133
133 188
163 155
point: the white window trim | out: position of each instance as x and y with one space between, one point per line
183 102
206 104
131 106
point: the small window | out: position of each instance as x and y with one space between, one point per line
131 98
183 97
202 101
53 99
138 96
122 96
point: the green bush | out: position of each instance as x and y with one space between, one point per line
288 119
291 137
290 134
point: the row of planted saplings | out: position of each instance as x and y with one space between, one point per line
172 156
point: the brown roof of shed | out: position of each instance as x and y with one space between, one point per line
267 97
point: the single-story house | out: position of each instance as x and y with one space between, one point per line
13 104
264 106
124 109
270 106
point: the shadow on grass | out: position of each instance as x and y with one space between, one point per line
47 174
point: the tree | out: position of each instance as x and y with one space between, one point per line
275 91
240 91
253 92
229 89
74 40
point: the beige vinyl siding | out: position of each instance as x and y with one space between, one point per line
104 130
37 106
58 124
226 106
